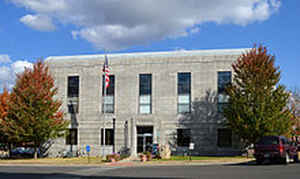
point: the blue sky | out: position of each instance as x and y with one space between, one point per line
33 29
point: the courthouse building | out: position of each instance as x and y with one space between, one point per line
172 98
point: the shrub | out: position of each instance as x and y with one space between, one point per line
113 157
148 155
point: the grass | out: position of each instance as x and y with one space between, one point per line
99 161
56 161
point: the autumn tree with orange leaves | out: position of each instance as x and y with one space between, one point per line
295 108
34 115
4 100
257 102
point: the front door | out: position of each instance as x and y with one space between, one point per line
144 138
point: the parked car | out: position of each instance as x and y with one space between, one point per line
275 148
23 152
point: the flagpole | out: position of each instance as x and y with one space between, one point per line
104 110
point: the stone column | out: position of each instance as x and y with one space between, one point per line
155 128
133 138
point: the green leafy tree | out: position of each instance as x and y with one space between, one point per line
34 115
257 103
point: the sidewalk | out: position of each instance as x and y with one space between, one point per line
137 163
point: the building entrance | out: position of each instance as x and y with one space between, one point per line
144 138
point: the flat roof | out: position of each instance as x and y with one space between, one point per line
179 53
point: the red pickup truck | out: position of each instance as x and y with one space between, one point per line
275 148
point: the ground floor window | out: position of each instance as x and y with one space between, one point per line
183 137
71 138
224 137
109 137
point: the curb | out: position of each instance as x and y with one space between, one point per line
136 164
183 163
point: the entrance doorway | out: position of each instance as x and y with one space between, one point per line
144 138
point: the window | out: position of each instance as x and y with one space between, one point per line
224 79
145 94
183 137
184 92
268 140
71 138
109 137
109 99
284 140
73 86
73 106
224 138
73 94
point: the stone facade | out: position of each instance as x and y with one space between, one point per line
203 66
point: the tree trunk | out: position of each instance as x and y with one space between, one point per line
35 152
9 150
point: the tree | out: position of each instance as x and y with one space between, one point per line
4 100
294 104
257 103
34 116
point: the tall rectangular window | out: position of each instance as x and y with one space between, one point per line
71 138
184 92
109 137
224 138
145 94
224 79
73 86
73 94
183 137
109 98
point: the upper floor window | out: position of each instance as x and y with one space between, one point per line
108 95
73 86
73 94
224 79
145 94
184 92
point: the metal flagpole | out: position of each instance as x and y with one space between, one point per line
104 98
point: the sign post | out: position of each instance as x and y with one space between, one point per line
88 149
191 147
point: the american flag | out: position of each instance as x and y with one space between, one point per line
106 72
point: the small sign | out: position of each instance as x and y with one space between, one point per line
192 145
88 148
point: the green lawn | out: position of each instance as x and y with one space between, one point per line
99 161
56 161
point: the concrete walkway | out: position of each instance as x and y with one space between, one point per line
137 163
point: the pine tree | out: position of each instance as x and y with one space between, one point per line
34 115
257 103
